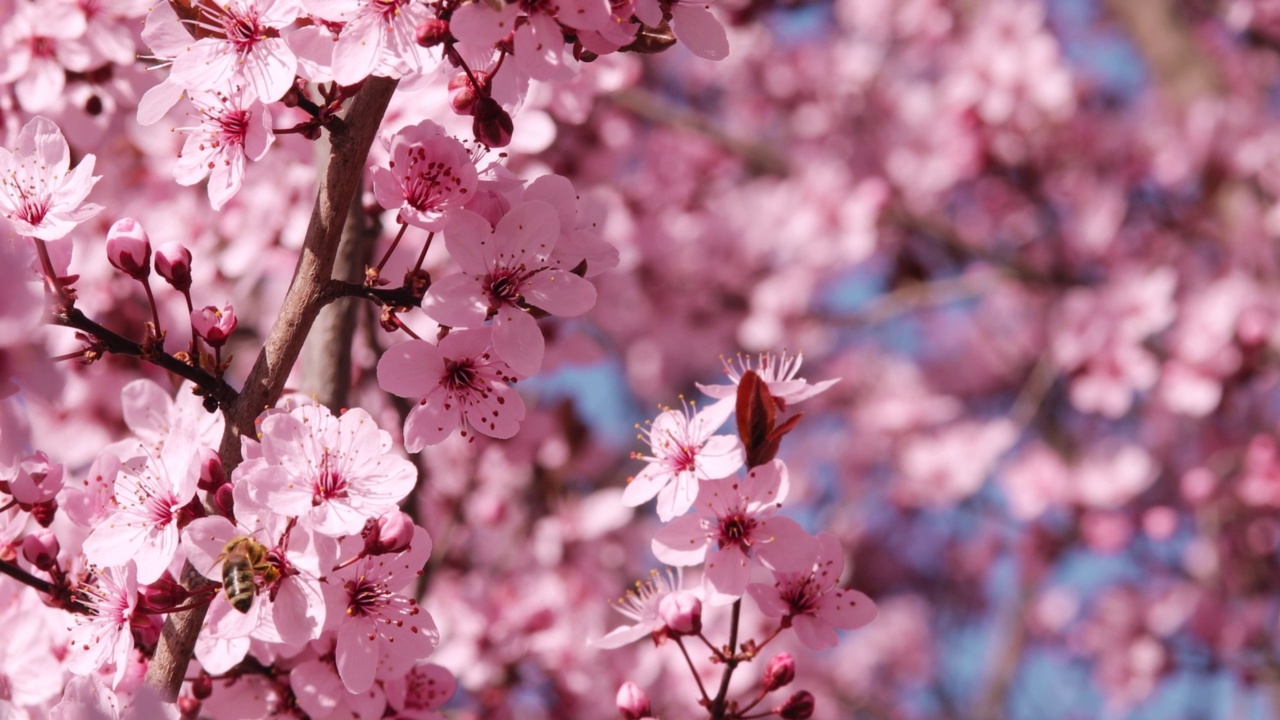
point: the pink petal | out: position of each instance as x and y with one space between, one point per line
785 546
721 456
766 484
677 497
768 600
478 23
698 29
846 609
815 634
359 47
682 542
203 541
498 417
517 339
456 301
357 653
727 574
146 408
645 485
410 369
428 424
469 239
560 292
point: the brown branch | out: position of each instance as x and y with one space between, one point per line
350 140
112 342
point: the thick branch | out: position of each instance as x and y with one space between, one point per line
350 146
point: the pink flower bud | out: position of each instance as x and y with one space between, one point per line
389 533
797 707
780 671
463 93
214 325
163 595
41 549
432 31
211 474
173 263
128 248
681 612
492 125
632 702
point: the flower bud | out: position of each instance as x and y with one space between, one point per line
632 702
214 325
780 671
797 707
202 686
389 533
163 595
41 549
432 31
211 474
463 93
492 125
44 512
681 612
173 263
224 501
128 248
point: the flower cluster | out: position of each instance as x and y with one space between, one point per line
736 531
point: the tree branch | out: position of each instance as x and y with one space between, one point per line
350 140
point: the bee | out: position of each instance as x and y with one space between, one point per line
244 562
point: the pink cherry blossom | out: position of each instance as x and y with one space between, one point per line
214 324
736 525
231 127
37 193
38 45
685 452
425 688
456 385
379 37
505 271
149 492
103 637
641 605
331 472
375 619
244 49
810 600
430 174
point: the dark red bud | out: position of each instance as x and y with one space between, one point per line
797 707
432 31
492 125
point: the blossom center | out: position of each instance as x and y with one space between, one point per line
329 483
459 375
735 531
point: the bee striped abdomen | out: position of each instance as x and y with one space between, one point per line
237 582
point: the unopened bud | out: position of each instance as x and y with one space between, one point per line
128 248
492 125
202 686
41 549
681 612
211 474
173 263
163 595
463 93
780 671
432 31
797 707
224 501
44 512
389 533
632 702
214 325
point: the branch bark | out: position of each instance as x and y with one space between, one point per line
350 144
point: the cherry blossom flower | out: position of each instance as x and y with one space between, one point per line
37 193
641 605
779 374
580 220
810 602
458 384
736 525
430 174
685 451
103 636
40 43
331 472
232 127
375 619
379 38
245 49
149 492
504 271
